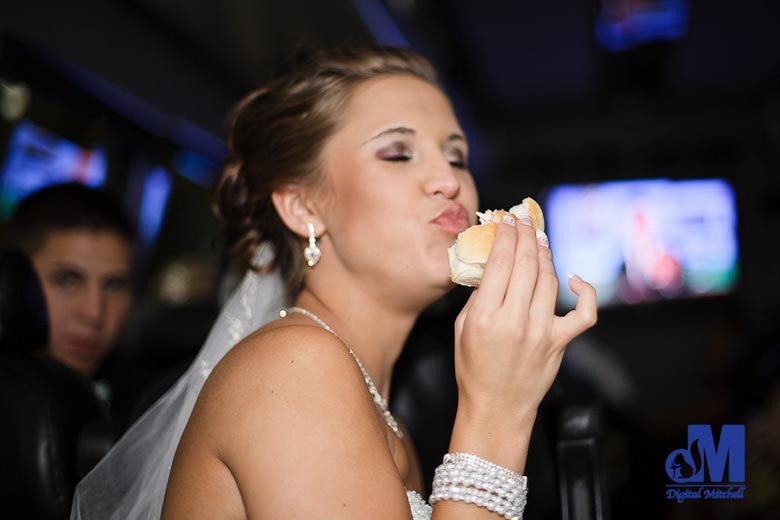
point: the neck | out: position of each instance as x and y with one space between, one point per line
375 331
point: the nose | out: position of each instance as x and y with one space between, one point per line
441 179
92 305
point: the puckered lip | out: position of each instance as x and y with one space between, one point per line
453 218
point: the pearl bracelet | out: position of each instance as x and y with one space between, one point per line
474 480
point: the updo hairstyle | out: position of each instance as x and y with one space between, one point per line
275 136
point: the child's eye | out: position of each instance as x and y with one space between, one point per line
117 284
66 279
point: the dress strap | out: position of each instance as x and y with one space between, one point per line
379 401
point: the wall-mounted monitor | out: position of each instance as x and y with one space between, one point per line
638 241
37 157
622 25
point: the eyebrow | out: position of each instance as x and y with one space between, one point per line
67 267
68 270
404 130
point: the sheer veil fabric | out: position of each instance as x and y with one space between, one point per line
129 483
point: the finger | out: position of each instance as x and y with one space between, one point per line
542 310
490 294
583 316
524 271
463 314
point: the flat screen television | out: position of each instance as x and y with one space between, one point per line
639 241
37 157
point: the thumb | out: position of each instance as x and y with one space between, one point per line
584 315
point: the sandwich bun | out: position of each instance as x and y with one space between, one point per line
469 254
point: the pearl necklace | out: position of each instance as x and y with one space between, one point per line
379 401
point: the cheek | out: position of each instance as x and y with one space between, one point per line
57 304
469 195
359 210
117 307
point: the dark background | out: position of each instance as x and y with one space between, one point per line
542 103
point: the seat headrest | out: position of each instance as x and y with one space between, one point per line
24 322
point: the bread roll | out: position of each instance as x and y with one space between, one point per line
470 251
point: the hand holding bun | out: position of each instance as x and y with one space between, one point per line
469 254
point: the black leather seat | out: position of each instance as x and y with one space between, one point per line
50 415
24 323
581 464
46 406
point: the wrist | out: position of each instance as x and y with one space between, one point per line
500 438
496 416
472 479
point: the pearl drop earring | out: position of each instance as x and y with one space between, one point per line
312 253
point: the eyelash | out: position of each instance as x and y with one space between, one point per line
397 158
65 280
117 285
403 158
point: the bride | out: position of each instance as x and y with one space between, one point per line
346 184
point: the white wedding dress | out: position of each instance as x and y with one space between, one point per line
129 483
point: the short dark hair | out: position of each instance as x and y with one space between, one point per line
66 207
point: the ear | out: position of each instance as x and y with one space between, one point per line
296 208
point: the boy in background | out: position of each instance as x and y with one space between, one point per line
81 244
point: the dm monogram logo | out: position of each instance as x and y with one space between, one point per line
700 471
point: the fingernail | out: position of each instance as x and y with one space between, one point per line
526 221
541 237
508 219
572 275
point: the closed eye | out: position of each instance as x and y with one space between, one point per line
457 158
397 151
397 158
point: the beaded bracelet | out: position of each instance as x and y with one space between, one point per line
474 480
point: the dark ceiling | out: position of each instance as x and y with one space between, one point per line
529 79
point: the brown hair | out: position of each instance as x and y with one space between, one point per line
276 135
66 207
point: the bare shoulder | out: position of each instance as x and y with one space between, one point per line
289 414
270 350
283 364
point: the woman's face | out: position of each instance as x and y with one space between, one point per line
401 188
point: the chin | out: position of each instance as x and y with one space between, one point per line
440 281
429 280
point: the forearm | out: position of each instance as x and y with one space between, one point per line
501 440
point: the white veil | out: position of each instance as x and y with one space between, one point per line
129 483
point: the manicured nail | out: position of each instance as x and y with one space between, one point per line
509 219
526 221
541 237
572 275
